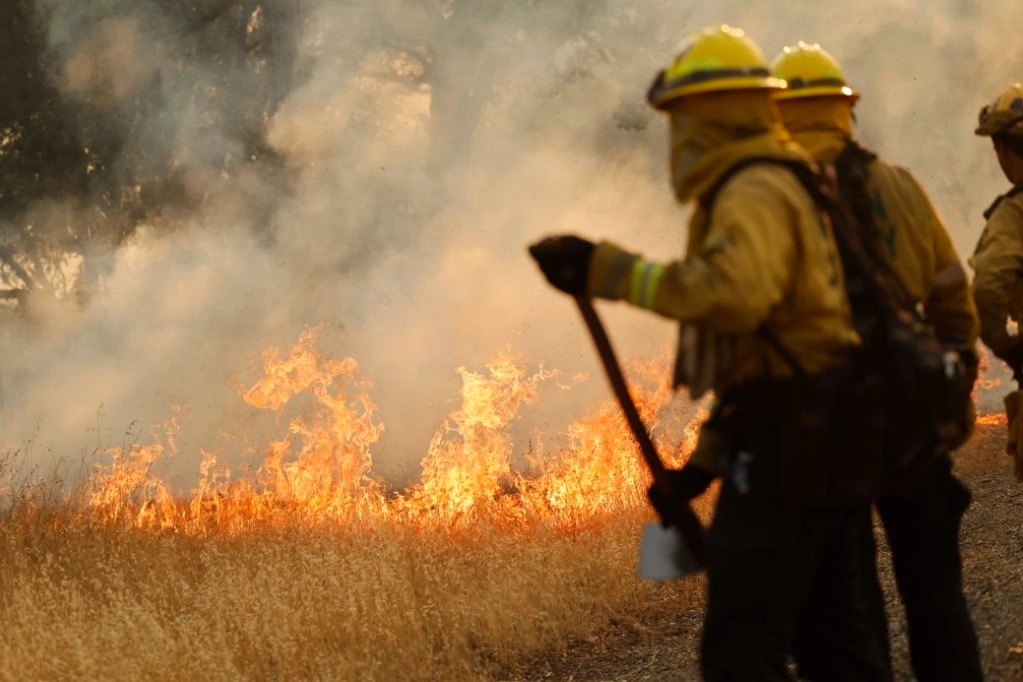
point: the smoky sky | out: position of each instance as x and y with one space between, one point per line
403 202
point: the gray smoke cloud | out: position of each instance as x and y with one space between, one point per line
401 210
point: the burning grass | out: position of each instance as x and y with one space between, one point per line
308 568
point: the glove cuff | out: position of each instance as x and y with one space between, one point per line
610 269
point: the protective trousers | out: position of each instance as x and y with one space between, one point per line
775 570
922 525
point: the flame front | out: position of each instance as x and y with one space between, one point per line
321 470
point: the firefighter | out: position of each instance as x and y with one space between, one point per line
921 519
760 284
998 261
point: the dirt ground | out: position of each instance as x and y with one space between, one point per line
662 643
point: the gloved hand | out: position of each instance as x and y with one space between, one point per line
682 486
955 409
954 432
565 261
1014 358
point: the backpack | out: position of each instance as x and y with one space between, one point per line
937 414
900 384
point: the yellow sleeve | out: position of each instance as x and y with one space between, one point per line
733 281
998 263
949 307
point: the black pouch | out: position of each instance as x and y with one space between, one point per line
790 420
829 430
806 423
858 450
929 410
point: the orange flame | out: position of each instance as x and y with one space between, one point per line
470 463
321 469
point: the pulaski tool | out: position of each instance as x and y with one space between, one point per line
667 551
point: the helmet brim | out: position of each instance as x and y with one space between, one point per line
818 91
662 97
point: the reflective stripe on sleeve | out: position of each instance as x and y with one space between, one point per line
646 277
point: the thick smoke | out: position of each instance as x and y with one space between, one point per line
399 213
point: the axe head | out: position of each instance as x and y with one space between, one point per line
664 555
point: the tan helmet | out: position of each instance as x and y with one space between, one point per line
810 71
711 60
1004 115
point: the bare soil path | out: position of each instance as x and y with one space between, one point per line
661 643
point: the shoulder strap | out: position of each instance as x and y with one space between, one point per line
852 171
808 177
710 196
852 174
870 278
1016 189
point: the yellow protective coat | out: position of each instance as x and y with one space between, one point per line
998 290
764 258
998 274
909 230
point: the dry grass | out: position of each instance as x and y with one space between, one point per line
84 598
308 568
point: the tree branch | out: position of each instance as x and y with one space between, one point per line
41 281
8 258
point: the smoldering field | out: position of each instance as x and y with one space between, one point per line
175 504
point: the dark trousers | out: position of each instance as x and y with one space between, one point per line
922 525
787 581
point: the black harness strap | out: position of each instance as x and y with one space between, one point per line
1016 189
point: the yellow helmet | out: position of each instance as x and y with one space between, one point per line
1004 114
810 71
711 60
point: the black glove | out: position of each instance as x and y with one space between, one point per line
682 485
1014 358
971 365
565 261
